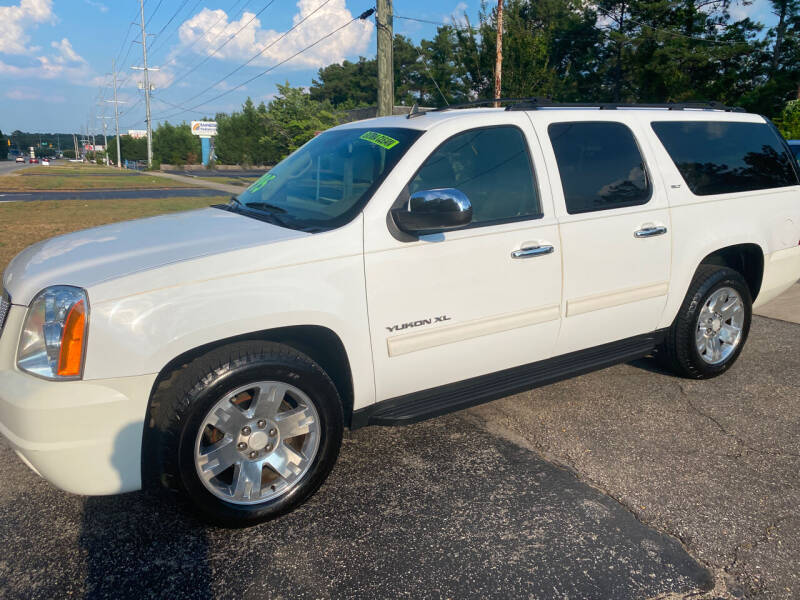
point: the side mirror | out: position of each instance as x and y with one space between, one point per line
432 211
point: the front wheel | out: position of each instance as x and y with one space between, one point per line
253 431
711 327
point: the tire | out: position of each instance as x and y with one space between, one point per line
265 408
680 352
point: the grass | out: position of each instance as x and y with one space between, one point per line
242 181
79 177
23 223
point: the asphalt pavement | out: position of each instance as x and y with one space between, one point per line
442 509
9 166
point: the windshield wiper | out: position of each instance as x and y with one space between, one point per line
258 205
265 205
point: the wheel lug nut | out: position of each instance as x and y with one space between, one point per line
245 431
262 423
253 454
268 447
241 445
273 432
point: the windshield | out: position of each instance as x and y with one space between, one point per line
326 182
795 148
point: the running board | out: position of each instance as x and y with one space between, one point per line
437 401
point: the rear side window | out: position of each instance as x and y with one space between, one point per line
600 166
715 157
492 167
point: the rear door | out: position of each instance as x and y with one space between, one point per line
455 305
615 228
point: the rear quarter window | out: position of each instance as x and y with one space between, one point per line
718 157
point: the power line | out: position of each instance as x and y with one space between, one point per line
208 30
668 32
264 49
362 16
152 14
221 46
439 23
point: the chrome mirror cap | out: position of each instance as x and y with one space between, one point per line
433 211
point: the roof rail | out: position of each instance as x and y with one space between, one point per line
483 103
536 102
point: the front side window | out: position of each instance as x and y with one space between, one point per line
716 157
600 166
326 182
492 166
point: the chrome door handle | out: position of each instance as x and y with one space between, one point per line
531 251
650 231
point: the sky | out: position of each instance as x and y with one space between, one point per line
56 55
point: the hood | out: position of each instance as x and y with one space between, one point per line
86 258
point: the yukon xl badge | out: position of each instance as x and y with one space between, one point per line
419 323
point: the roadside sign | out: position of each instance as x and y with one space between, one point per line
204 128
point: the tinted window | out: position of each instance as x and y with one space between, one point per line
491 166
718 158
795 148
600 166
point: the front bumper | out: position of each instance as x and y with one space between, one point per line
85 437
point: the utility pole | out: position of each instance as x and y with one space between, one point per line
385 59
146 89
116 112
498 65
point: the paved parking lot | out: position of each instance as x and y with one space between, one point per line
626 483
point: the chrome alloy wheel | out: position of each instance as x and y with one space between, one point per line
257 442
719 326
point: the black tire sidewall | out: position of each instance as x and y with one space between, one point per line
723 277
206 394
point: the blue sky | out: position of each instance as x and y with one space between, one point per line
55 55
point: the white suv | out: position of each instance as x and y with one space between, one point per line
389 271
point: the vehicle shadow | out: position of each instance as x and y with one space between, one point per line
142 545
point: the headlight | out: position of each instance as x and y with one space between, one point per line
54 335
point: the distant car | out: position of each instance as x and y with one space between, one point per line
20 159
34 160
794 145
45 162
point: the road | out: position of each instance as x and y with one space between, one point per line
625 483
9 166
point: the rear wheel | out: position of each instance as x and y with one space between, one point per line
247 432
712 325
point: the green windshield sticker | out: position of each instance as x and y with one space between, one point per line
384 141
261 182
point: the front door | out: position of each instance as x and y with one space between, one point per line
459 304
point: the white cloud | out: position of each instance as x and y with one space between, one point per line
67 53
205 36
20 94
98 5
66 64
458 16
15 20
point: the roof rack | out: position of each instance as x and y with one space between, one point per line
534 103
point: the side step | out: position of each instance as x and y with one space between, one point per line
434 402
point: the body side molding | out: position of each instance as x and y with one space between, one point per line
578 306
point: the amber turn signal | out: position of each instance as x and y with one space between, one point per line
70 357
